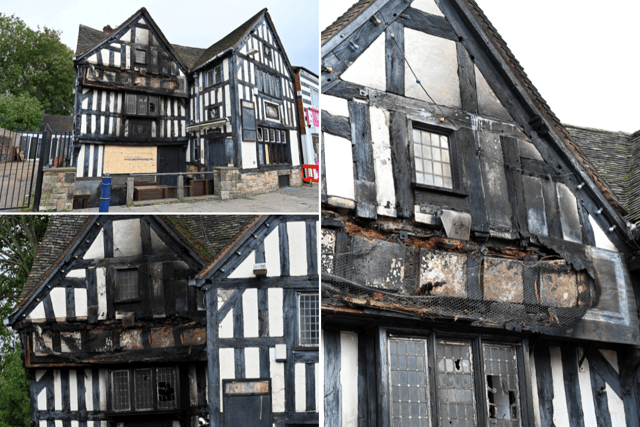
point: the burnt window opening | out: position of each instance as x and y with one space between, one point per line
150 389
141 105
273 146
454 378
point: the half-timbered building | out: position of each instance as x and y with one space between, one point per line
144 105
475 265
113 335
308 92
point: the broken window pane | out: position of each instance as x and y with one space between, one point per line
454 383
166 380
408 382
143 384
120 390
501 372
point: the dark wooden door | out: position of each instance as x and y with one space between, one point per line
247 410
215 152
171 159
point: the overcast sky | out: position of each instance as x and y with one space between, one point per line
581 55
195 23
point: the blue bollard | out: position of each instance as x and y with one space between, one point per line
106 193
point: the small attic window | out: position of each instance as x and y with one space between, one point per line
141 56
127 284
267 51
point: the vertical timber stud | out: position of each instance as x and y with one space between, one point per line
382 370
394 56
401 162
212 357
467 78
332 387
365 186
572 386
544 379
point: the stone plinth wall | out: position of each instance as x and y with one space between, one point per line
230 182
57 189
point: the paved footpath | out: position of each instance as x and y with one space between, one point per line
297 199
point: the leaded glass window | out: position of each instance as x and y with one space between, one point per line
120 390
143 385
166 381
501 370
432 159
127 284
309 315
408 382
455 384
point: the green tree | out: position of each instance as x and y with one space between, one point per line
21 112
20 237
36 63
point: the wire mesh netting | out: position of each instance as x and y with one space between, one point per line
489 290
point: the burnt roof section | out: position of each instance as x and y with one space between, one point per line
230 40
616 156
207 235
58 124
352 13
517 70
62 231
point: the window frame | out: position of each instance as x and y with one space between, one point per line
116 297
132 393
135 56
311 346
275 149
477 342
453 160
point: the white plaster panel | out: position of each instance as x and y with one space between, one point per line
380 140
227 368
277 382
126 37
602 240
37 313
227 102
225 327
58 423
428 6
42 401
612 358
101 283
297 234
586 393
249 156
370 67
528 150
103 389
274 296
157 245
301 387
142 36
339 166
569 216
616 408
59 302
126 238
334 105
225 69
534 388
250 312
252 362
88 389
245 269
272 253
57 389
80 296
73 389
96 250
44 423
295 150
435 62
560 414
93 59
75 423
488 102
349 378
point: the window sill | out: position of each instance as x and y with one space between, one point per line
142 413
449 191
306 348
127 301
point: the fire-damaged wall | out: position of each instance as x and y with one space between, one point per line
474 264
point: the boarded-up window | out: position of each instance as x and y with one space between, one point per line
248 122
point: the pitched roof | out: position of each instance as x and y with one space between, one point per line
230 40
516 69
191 57
207 235
616 156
